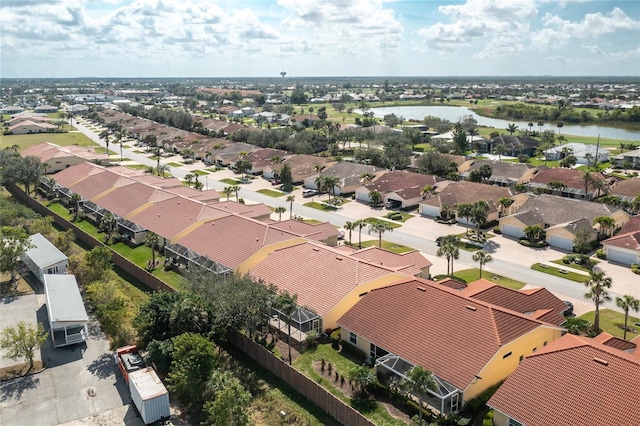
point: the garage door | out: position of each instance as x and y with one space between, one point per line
430 211
621 256
512 230
363 196
561 242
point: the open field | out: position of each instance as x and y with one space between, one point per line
62 139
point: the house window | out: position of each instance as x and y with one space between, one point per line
521 358
454 403
545 343
507 355
353 338
535 349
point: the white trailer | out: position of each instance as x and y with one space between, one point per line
149 395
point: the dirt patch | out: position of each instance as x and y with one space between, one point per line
21 370
342 383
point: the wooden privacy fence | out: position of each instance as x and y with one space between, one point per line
118 260
305 386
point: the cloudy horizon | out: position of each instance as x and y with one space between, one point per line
250 38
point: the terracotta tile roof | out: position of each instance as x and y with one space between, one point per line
470 192
316 232
627 187
301 165
573 381
159 182
410 263
125 199
322 276
539 303
628 240
207 196
405 183
453 284
436 327
255 211
633 224
72 174
95 184
571 177
230 239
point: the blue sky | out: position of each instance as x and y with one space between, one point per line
252 38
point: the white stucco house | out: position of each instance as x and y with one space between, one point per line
44 258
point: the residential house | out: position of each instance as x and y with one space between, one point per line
400 187
503 173
514 145
584 153
411 262
27 127
11 109
230 153
575 183
43 109
574 380
626 189
327 281
561 217
57 158
27 116
44 258
349 176
301 165
468 193
629 159
68 317
263 157
624 247
469 345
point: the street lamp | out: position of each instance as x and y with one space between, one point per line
283 73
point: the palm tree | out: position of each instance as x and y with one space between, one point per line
540 124
189 178
350 226
105 134
500 150
482 257
360 224
429 190
597 284
375 199
380 227
320 183
560 125
450 248
198 185
367 177
108 222
280 210
75 201
330 184
575 325
512 127
627 303
288 304
533 233
363 377
228 190
588 156
235 189
605 224
465 210
635 204
420 381
291 198
504 203
151 240
530 125
164 168
479 213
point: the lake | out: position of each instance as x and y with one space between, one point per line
454 113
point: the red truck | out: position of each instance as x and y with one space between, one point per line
149 395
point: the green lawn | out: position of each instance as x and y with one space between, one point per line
613 323
573 276
62 139
470 275
405 216
137 166
270 192
174 164
343 365
320 206
230 181
200 172
393 247
572 265
312 221
374 220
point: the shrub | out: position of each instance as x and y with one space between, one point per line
497 230
635 268
600 254
353 350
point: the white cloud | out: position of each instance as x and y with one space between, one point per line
593 48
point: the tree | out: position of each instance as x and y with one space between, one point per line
197 185
560 125
500 150
450 248
360 224
367 178
375 199
235 189
112 310
465 210
108 223
349 226
479 213
151 240
189 177
482 257
106 135
230 403
533 233
540 124
582 240
605 224
94 265
279 210
14 242
362 377
597 284
575 325
511 128
22 341
627 303
194 358
380 227
152 322
228 190
504 203
429 190
291 198
593 181
287 304
242 166
420 381
286 178
330 183
460 140
75 201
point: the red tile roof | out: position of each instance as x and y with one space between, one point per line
633 224
629 240
436 327
570 177
539 303
574 381
410 263
322 276
125 199
317 232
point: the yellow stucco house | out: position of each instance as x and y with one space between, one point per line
469 345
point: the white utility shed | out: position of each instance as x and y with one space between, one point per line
67 316
44 258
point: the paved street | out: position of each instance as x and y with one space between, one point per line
510 258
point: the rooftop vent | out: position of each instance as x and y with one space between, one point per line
421 288
601 361
471 308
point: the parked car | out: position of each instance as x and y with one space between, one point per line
439 241
309 193
569 308
276 182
